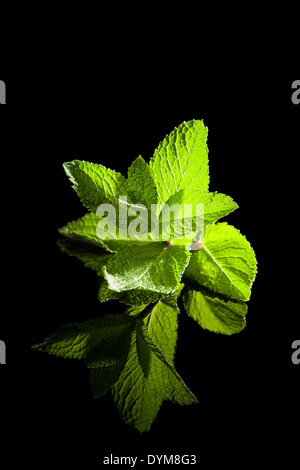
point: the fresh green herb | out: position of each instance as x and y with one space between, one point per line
148 241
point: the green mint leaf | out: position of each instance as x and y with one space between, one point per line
84 229
214 313
181 161
103 378
94 257
100 342
134 394
171 300
136 297
143 350
216 205
94 183
140 259
140 186
190 206
143 384
225 264
157 268
169 384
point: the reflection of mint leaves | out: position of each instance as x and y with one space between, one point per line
149 376
141 261
99 342
133 359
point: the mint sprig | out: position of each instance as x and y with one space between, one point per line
147 264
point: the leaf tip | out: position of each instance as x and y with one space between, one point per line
67 165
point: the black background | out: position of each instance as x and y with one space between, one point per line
247 386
